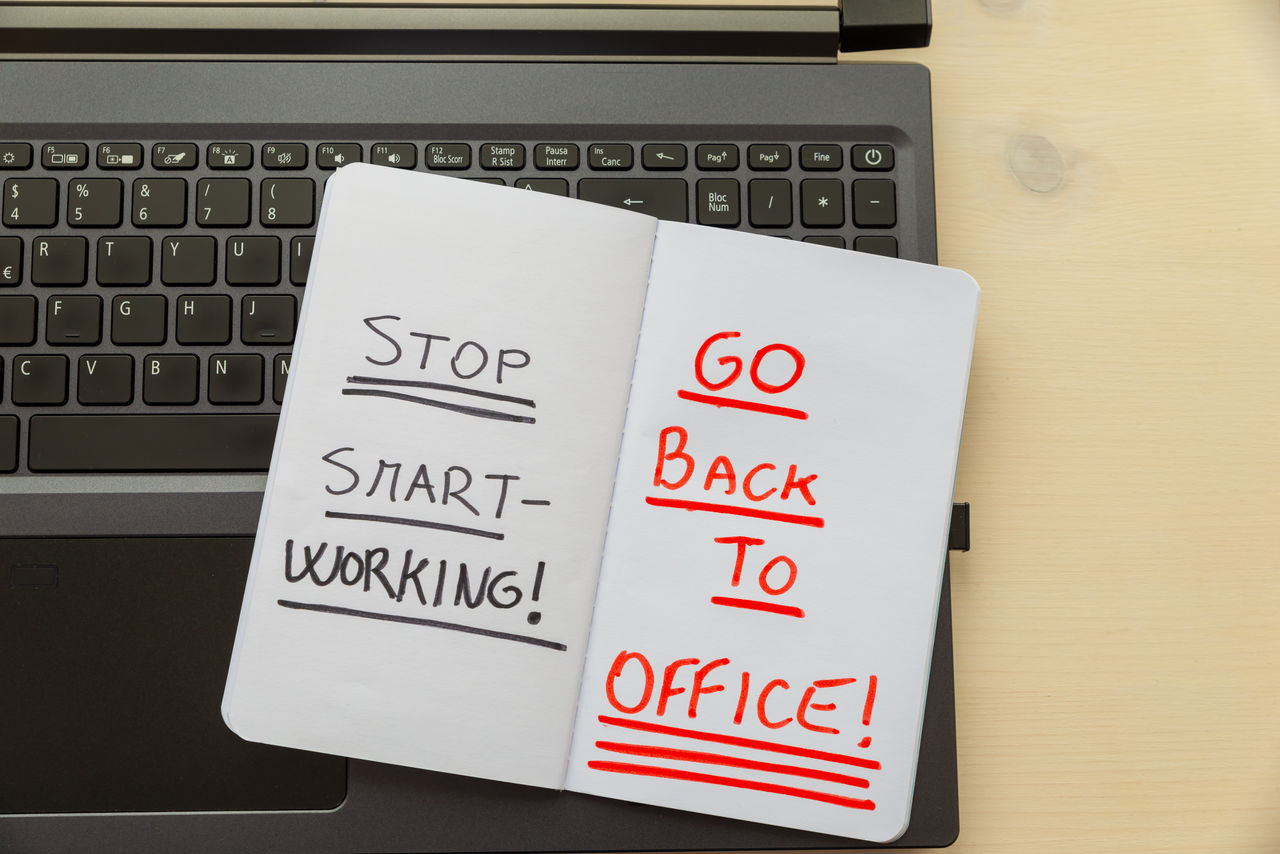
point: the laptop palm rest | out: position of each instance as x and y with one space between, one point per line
115 655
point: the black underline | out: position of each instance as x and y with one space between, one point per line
420 621
491 395
452 407
416 523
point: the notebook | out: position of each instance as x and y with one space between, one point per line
468 446
145 344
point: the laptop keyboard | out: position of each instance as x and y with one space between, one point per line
149 289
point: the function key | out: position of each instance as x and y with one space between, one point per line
609 155
712 156
873 157
173 155
64 155
821 157
119 155
229 155
555 155
448 155
15 155
664 156
401 155
502 155
332 155
769 156
284 155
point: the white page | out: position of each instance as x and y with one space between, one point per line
886 347
528 278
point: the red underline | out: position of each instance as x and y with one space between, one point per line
694 777
731 761
748 405
681 504
757 605
738 741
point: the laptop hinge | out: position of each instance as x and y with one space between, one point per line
743 30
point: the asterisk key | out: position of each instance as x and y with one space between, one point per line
822 201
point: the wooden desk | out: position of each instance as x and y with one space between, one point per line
1110 174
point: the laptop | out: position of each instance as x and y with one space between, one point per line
162 166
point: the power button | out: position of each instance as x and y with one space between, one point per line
877 158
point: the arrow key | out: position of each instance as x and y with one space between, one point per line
665 198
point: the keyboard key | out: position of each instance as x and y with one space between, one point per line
204 319
448 155
288 202
300 259
873 157
8 442
607 155
17 320
174 155
554 186
120 155
877 244
718 202
665 198
267 320
10 261
124 260
188 260
664 156
235 378
170 380
284 155
39 381
151 442
402 155
280 376
253 260
139 320
555 155
222 202
74 320
159 202
873 203
64 155
229 155
15 155
105 380
822 202
502 155
94 202
770 202
769 156
30 202
717 156
497 182
821 157
58 260
332 155
826 240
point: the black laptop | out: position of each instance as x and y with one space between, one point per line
162 168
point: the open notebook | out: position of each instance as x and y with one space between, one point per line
567 496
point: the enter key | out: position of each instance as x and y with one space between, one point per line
665 198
